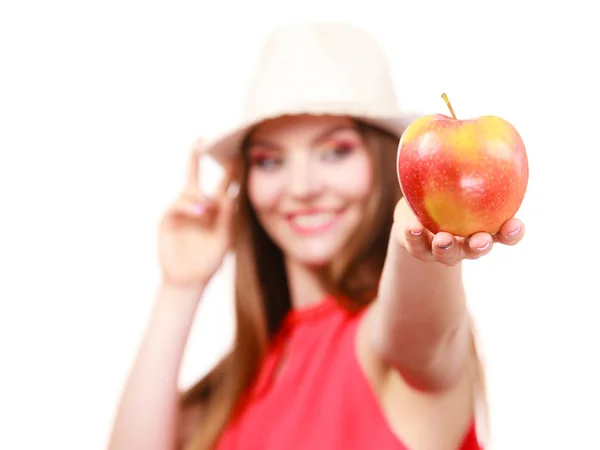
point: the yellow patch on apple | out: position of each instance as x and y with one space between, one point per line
443 208
464 140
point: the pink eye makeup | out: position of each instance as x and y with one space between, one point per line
266 159
338 148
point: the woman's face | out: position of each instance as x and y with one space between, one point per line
308 181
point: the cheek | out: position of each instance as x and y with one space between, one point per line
264 190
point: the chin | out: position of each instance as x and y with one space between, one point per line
315 263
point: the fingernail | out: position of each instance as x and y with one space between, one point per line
200 209
416 232
482 247
446 246
515 231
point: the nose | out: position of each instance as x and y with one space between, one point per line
303 179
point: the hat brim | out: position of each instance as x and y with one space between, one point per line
227 146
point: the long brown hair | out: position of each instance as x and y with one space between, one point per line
262 298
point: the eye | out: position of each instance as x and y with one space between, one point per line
265 161
338 150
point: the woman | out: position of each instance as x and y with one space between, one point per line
352 330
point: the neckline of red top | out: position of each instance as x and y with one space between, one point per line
311 312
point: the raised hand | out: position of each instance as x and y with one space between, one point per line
195 232
444 247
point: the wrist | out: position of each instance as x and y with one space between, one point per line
181 291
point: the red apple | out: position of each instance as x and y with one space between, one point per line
462 176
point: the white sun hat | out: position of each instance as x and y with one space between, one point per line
318 68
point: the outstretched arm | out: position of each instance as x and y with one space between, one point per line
420 323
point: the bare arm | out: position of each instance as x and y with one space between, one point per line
148 414
194 236
420 322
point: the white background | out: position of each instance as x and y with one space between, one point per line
99 103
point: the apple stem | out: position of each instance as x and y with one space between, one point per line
445 97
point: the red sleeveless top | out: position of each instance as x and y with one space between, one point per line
321 399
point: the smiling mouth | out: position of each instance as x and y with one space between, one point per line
313 223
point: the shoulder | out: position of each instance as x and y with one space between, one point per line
410 411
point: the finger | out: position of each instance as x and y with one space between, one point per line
445 248
192 203
191 209
415 238
511 232
418 241
477 245
225 182
193 169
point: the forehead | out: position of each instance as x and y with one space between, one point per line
299 128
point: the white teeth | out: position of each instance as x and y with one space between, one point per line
313 220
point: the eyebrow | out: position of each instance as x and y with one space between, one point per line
333 130
314 141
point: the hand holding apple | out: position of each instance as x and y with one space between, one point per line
444 247
462 176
